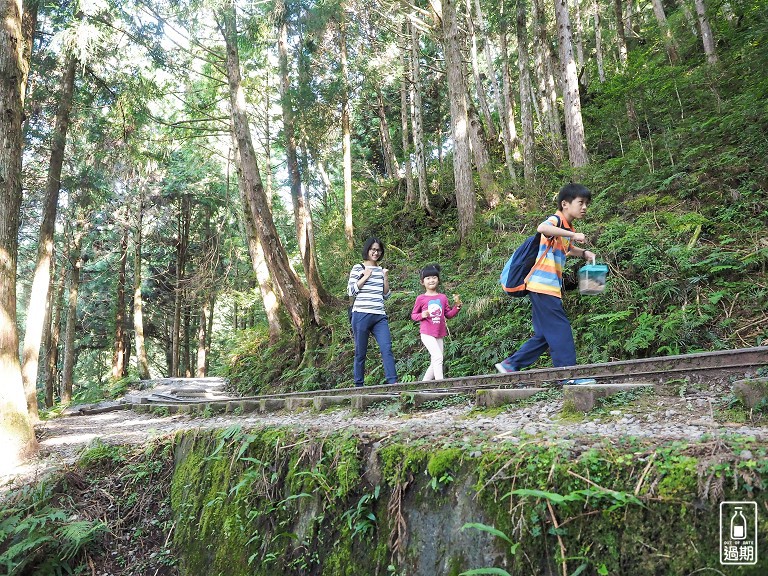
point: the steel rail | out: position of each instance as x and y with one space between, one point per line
682 365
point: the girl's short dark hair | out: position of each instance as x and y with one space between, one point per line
367 246
430 270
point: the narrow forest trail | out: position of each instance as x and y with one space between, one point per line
693 415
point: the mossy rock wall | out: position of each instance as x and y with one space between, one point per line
272 502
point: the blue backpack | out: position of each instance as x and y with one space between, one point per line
514 276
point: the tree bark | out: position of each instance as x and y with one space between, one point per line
269 298
28 26
52 342
17 439
346 138
666 33
574 125
526 112
301 210
508 107
579 29
291 291
41 282
410 192
598 41
707 38
119 365
546 83
202 347
417 120
490 188
182 243
138 303
76 263
621 39
490 128
462 169
388 150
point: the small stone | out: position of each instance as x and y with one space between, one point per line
746 455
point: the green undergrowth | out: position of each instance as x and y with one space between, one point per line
110 509
273 502
679 206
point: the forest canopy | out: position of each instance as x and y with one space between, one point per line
190 182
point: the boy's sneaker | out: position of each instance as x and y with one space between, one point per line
579 382
503 367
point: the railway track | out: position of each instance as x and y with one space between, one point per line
698 367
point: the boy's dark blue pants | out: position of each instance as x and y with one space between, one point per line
551 329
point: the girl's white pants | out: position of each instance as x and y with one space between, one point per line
435 348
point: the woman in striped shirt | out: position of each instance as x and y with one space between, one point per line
369 285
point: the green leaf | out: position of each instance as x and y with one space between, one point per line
489 529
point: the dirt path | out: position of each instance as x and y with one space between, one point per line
657 419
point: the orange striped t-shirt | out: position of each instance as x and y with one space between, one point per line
547 276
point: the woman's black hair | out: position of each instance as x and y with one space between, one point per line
430 270
370 242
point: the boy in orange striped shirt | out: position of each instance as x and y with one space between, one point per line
544 284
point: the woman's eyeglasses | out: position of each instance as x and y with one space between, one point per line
377 250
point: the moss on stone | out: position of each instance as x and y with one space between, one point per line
272 501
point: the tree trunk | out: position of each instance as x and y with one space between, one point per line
526 112
138 302
574 125
269 299
38 299
388 150
202 339
410 192
76 263
346 138
491 191
291 291
579 28
546 82
28 26
186 357
707 38
511 148
490 128
119 365
666 33
52 344
689 17
598 41
621 39
301 210
417 120
462 169
182 231
17 437
209 330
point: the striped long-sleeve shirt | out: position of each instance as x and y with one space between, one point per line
547 276
370 298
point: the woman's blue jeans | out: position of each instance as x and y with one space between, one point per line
364 324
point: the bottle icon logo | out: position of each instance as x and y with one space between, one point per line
738 525
738 533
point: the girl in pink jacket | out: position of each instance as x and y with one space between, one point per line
430 311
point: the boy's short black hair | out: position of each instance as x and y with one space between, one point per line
367 246
430 270
571 191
